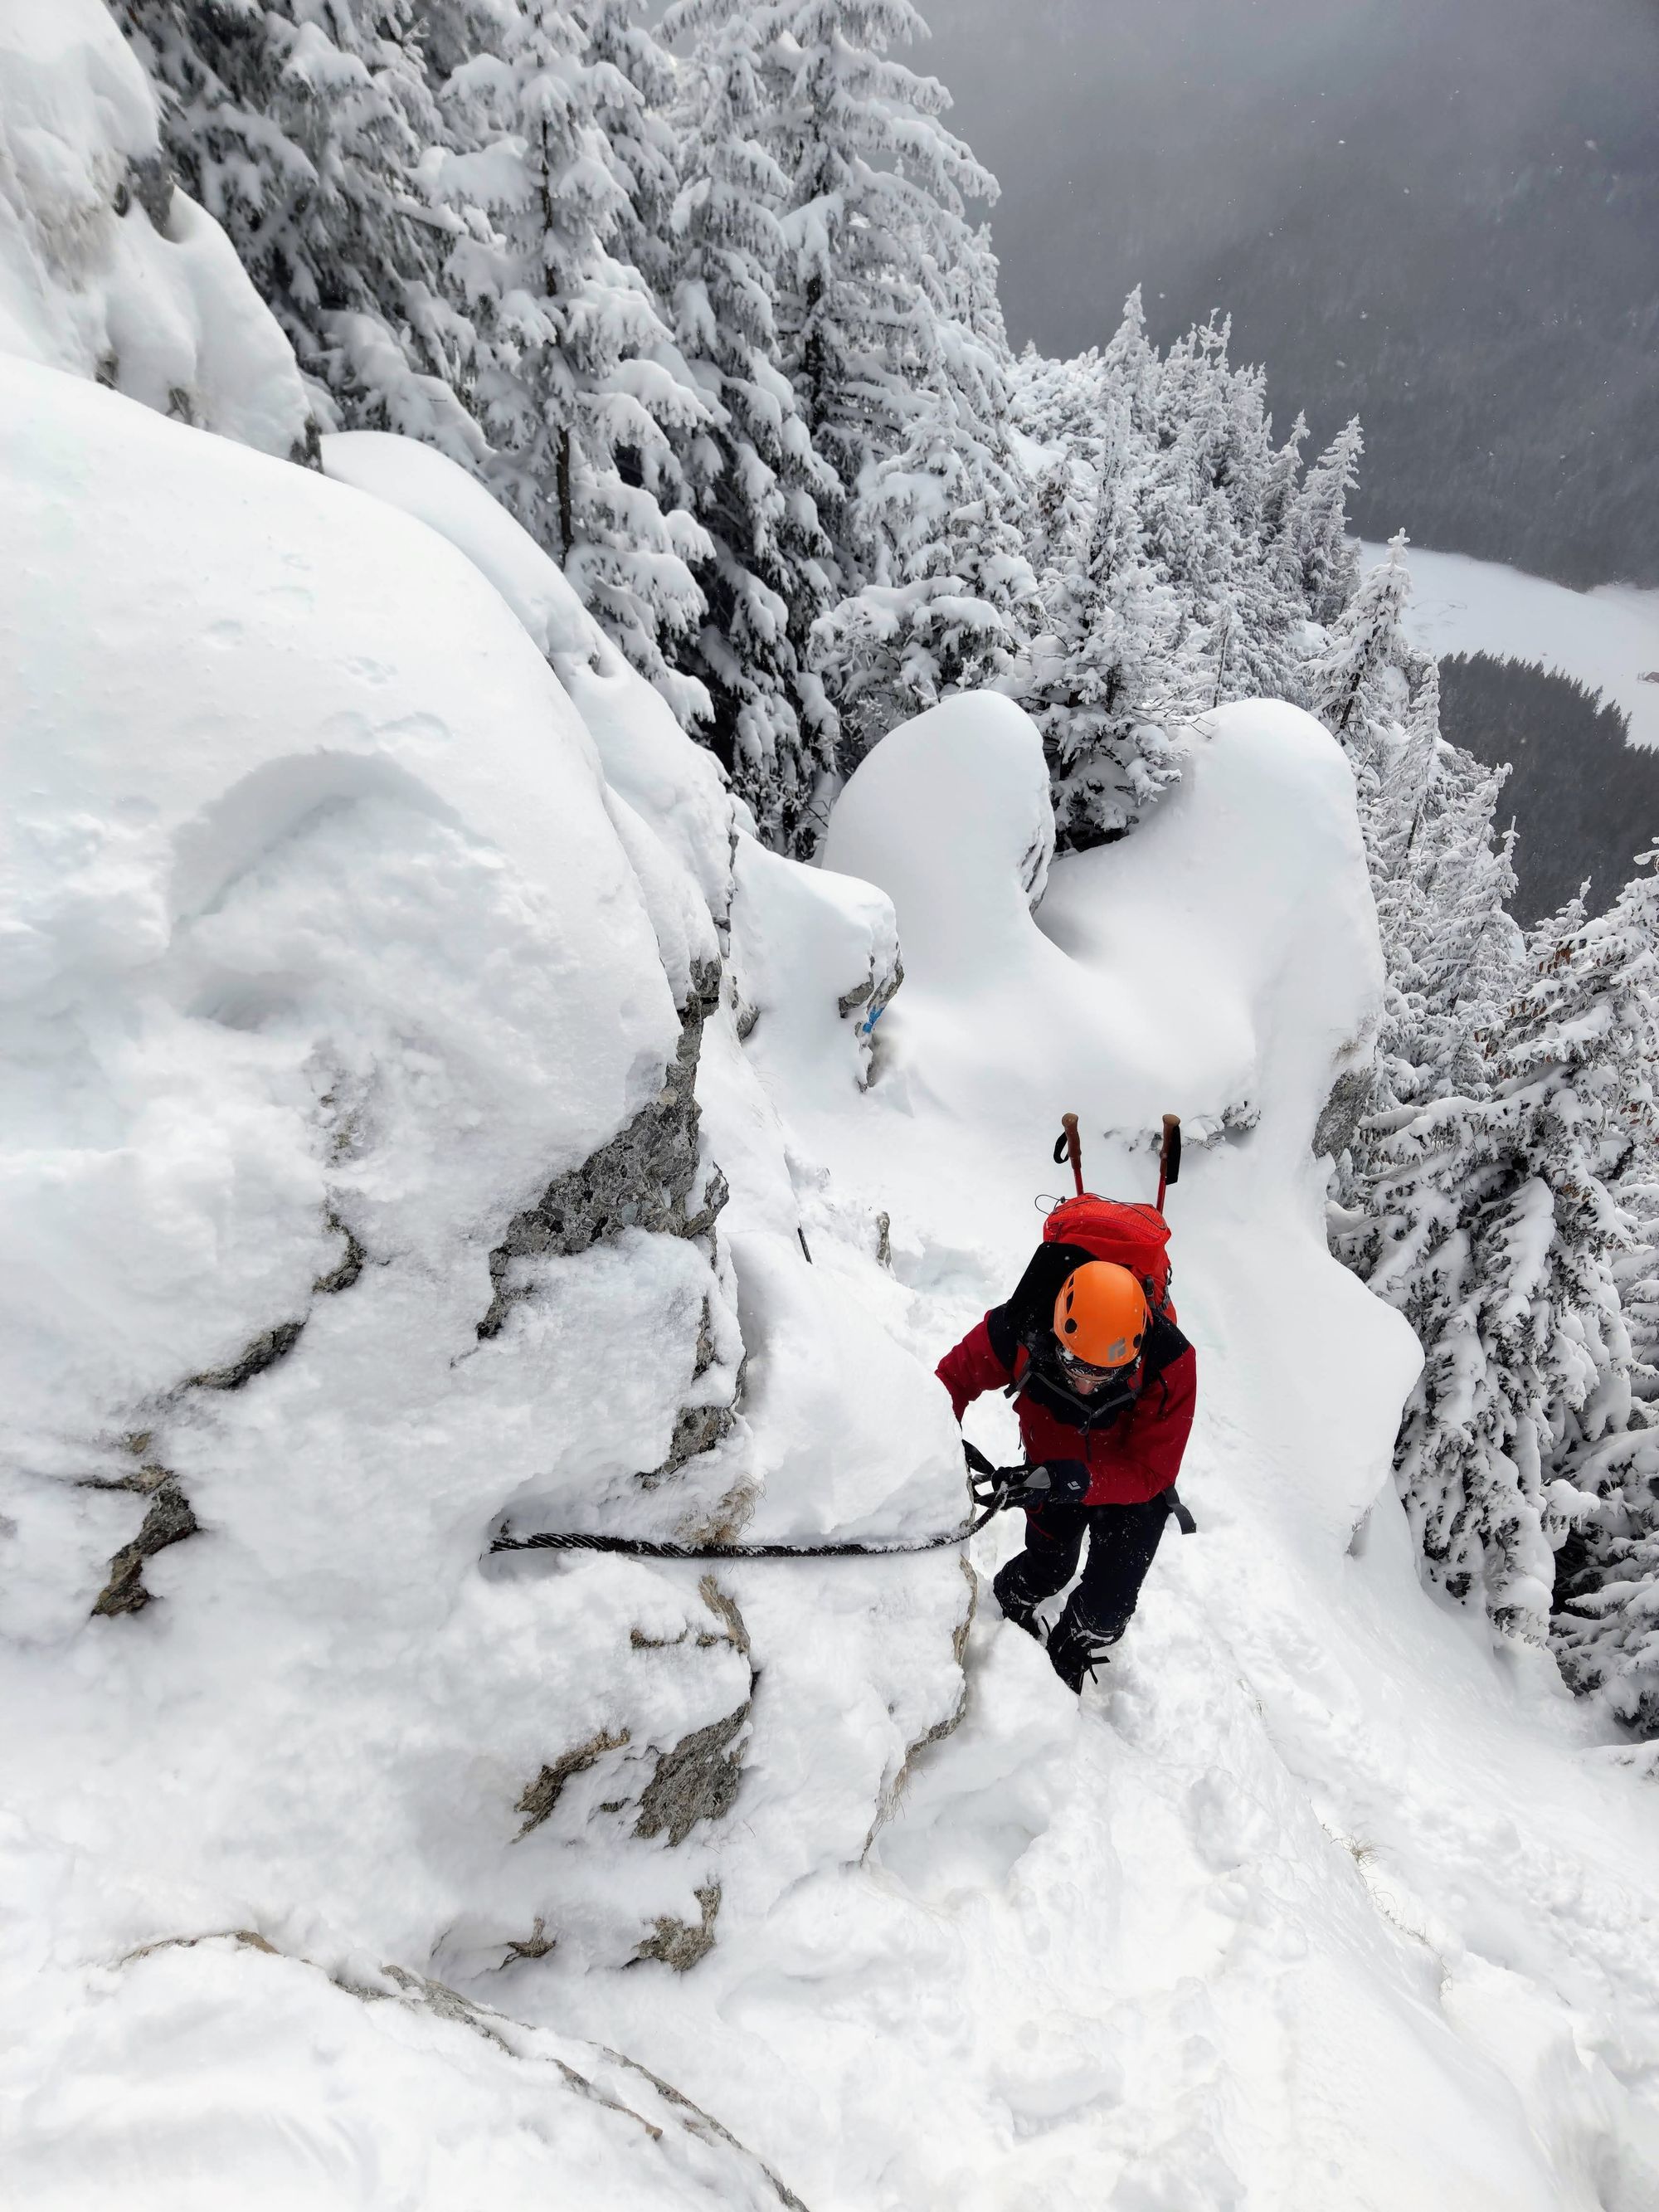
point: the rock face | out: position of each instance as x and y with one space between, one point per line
422 1179
643 1178
697 1780
167 1520
680 1943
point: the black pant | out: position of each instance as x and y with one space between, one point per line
1122 1540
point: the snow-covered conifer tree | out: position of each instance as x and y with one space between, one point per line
1165 504
1606 1629
878 193
1494 1224
1600 982
1360 685
303 126
584 395
1132 368
953 596
889 333
1319 552
1443 878
634 96
754 477
1107 680
1283 476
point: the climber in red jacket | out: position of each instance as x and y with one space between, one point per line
1104 1387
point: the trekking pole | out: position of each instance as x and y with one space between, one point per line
1169 1156
1068 1147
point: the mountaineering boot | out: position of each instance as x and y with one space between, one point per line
1076 1650
1017 1606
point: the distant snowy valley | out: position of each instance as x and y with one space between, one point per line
1607 639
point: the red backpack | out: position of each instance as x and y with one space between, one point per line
1135 1236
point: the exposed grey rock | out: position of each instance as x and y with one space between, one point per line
697 1428
150 180
306 453
265 1350
342 1276
678 1943
1343 1111
876 992
697 1780
168 1521
541 1795
246 1939
536 1945
437 1998
642 1178
716 1193
418 1992
724 1609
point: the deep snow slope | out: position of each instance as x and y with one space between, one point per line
418 1103
1608 640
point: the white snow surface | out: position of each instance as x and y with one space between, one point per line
677 787
169 316
1606 639
353 892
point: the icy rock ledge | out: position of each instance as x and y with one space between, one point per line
376 2080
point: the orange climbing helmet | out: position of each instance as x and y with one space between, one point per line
1101 1316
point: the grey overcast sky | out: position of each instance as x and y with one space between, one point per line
1443 215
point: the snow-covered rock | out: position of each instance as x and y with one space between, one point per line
358 1199
106 268
676 787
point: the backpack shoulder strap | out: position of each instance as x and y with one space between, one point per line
1164 1346
1030 1308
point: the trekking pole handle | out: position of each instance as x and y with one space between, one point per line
1073 1148
1169 1156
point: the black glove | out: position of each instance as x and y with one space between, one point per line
988 1485
1053 1482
